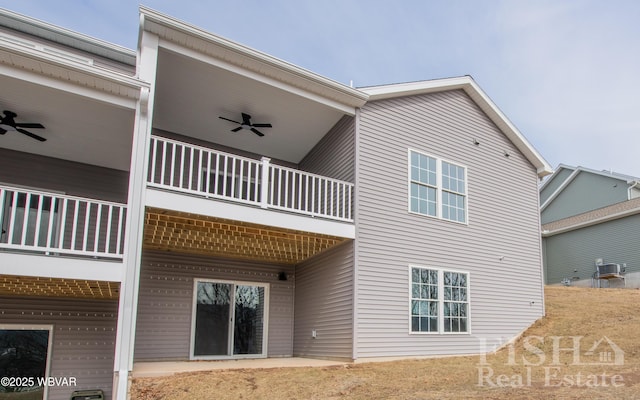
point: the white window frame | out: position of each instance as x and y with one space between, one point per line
36 327
438 187
440 300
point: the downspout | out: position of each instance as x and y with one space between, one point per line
354 330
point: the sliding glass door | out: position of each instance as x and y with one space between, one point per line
229 319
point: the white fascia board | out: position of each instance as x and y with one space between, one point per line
560 188
595 221
61 267
238 212
66 37
297 75
556 170
130 84
414 88
479 96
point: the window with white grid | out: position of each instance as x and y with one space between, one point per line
437 188
439 301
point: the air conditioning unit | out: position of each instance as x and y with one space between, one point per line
609 271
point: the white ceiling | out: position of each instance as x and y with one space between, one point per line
191 95
77 128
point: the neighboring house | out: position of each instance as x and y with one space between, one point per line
590 217
374 223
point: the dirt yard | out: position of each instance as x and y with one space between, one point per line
590 313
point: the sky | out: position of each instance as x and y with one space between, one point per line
565 72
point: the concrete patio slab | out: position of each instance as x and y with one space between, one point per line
167 368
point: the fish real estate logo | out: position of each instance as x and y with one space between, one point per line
574 351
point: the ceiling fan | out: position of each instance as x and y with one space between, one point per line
8 123
246 124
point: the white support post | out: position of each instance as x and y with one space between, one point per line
134 228
264 188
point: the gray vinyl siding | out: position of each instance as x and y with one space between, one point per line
84 334
586 192
573 254
506 295
334 155
163 330
555 182
324 303
71 178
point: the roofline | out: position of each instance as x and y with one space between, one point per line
576 171
594 221
558 168
474 91
111 76
610 174
356 98
67 37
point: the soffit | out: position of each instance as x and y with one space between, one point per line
57 287
196 234
70 68
191 94
190 36
77 128
201 76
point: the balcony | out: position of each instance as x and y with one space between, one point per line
52 224
211 174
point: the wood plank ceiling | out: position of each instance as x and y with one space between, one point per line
196 234
57 287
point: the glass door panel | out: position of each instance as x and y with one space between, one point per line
248 332
213 313
230 319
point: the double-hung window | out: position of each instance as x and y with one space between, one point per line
438 188
439 301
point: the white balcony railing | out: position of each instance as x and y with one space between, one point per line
208 173
58 224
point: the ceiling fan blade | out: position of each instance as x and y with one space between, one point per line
236 129
36 137
230 120
257 132
29 125
262 125
246 119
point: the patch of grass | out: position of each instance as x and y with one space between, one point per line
586 313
